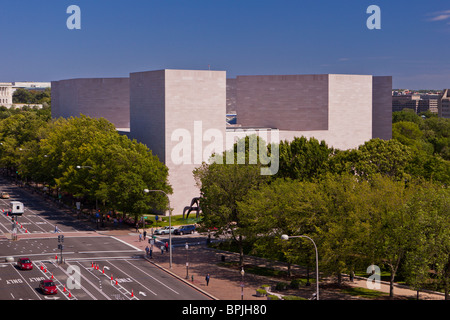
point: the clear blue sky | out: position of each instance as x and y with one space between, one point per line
242 37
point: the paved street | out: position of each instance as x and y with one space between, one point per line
93 266
98 255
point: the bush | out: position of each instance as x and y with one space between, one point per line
295 284
272 297
281 286
261 292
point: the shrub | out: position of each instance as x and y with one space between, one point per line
261 292
281 286
295 284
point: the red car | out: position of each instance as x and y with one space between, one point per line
48 287
24 264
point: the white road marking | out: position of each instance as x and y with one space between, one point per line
32 289
137 249
131 277
152 277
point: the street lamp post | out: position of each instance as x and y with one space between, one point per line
187 261
242 283
286 237
170 224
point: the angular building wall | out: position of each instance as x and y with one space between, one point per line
172 112
286 102
101 97
350 110
382 107
335 108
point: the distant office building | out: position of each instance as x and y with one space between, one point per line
29 85
428 102
444 104
416 102
6 94
179 113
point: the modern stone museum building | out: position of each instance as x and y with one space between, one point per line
181 114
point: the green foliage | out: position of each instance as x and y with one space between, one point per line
222 186
303 159
428 134
84 157
24 96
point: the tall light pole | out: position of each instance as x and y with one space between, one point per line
286 237
170 224
96 204
187 261
242 283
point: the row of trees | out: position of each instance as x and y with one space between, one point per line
384 203
24 96
428 133
86 158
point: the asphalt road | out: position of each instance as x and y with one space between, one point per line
93 266
89 265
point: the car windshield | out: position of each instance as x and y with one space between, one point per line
26 261
49 284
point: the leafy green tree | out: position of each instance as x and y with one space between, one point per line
343 233
89 158
406 115
284 206
223 185
303 159
392 227
390 158
18 133
431 250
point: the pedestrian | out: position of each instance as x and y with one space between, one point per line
140 237
137 227
151 251
147 250
167 246
56 229
162 249
145 234
207 279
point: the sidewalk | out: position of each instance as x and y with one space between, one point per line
225 283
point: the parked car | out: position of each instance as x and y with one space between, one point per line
185 230
24 264
164 230
4 195
48 287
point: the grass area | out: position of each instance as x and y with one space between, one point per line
364 293
176 220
